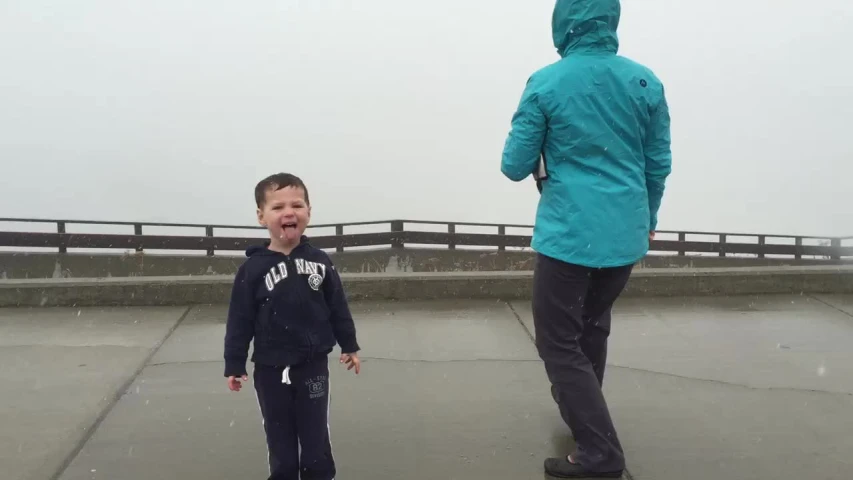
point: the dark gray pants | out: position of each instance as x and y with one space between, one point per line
571 314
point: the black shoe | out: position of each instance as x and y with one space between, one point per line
562 468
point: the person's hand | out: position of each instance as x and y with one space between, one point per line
234 382
651 235
352 360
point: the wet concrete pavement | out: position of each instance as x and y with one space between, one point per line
700 388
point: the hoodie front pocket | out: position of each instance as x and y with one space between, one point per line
272 320
283 320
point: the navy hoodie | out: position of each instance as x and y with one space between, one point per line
292 305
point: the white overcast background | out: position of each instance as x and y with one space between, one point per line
172 110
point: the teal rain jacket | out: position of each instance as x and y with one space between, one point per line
601 123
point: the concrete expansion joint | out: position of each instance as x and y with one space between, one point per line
730 384
119 393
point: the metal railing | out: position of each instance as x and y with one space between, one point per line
398 236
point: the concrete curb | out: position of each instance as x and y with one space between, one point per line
216 289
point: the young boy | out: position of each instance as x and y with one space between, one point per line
288 297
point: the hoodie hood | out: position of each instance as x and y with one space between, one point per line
264 249
585 26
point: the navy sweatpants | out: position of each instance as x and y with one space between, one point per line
294 403
571 315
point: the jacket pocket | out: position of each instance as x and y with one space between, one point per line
278 327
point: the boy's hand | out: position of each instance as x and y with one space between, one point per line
651 235
352 360
234 382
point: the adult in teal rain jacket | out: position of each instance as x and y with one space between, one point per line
599 124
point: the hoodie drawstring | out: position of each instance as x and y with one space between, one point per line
285 375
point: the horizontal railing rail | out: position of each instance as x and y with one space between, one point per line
397 236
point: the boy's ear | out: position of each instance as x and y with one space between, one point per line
260 214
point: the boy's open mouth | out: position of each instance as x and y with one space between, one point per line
285 226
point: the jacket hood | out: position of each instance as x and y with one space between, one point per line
264 249
585 26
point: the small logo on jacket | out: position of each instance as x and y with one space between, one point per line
316 272
314 281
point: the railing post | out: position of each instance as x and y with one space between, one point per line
762 241
799 243
60 228
836 247
723 244
451 229
502 232
137 230
208 232
682 238
339 231
397 231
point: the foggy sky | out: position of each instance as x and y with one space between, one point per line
172 110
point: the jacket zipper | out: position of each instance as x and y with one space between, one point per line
291 266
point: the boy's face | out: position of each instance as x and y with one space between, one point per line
285 213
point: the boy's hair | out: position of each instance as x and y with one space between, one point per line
277 182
